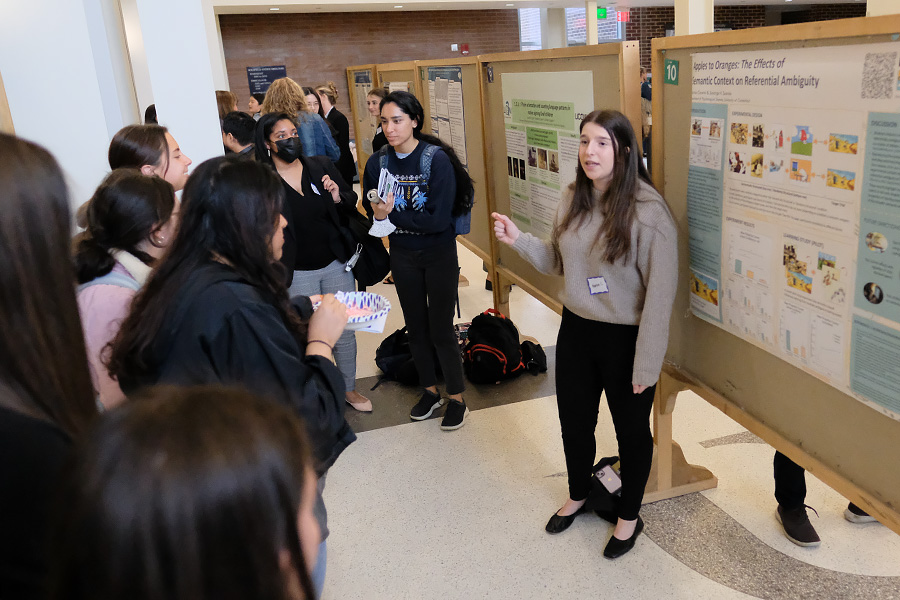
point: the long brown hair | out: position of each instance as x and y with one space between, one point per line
229 212
225 102
618 201
185 494
43 362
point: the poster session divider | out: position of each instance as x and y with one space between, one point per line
6 124
777 149
361 79
451 96
399 76
533 103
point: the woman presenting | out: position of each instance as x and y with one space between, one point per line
615 242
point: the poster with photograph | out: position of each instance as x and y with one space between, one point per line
793 210
542 113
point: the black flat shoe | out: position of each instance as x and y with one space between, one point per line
558 524
616 547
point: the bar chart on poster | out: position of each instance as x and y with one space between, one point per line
793 212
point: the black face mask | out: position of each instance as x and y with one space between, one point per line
288 149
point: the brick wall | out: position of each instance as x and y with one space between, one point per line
317 48
828 12
650 22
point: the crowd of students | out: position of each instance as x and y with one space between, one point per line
171 402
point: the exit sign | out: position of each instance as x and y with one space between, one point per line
623 16
601 13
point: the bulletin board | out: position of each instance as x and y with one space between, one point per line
6 124
399 76
458 121
533 104
775 161
361 79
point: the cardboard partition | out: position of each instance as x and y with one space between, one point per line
6 124
400 76
361 79
607 75
451 97
836 436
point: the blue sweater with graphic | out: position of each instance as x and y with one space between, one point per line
422 211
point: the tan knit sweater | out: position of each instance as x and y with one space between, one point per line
641 286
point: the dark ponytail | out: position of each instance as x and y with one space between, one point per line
126 208
465 192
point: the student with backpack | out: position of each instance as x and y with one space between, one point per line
615 242
429 196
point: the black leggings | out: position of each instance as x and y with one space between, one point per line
592 357
427 281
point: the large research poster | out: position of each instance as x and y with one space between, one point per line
445 97
542 113
794 208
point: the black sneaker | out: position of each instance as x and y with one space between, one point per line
455 415
855 514
796 525
427 404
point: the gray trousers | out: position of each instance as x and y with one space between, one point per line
329 280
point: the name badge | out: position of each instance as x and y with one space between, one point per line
597 285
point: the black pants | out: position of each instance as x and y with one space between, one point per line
427 282
592 357
790 482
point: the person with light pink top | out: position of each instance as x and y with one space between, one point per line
131 219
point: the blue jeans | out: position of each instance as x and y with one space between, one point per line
318 572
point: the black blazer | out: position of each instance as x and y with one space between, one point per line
316 167
341 126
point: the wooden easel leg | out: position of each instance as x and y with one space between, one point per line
670 474
502 287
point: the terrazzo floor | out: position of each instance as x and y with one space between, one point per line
416 512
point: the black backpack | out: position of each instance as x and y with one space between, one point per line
395 360
492 351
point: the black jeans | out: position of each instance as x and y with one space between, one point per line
427 281
790 482
593 357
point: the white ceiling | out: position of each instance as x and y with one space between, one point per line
303 6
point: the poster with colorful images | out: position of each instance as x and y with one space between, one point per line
542 113
445 97
793 210
362 84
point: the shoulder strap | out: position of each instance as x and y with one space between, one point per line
425 160
382 157
112 278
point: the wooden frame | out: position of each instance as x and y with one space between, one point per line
6 122
361 122
832 435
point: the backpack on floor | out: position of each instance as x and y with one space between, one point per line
492 353
395 360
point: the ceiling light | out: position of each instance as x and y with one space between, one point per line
510 4
274 8
398 6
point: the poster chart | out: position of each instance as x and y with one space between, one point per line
362 83
445 100
794 210
542 113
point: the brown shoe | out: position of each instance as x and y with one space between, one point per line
358 401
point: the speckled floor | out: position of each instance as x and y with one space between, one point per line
420 513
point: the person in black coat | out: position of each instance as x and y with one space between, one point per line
46 396
328 95
317 243
217 311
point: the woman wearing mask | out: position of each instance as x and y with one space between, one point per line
46 398
424 263
216 311
199 493
615 242
315 243
286 96
131 221
328 95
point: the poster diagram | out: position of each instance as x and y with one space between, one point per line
445 97
542 113
793 210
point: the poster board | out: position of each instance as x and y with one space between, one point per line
451 97
533 104
6 123
399 76
361 79
844 441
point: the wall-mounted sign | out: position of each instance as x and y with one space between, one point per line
601 13
260 78
623 16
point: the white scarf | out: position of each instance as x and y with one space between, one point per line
135 266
